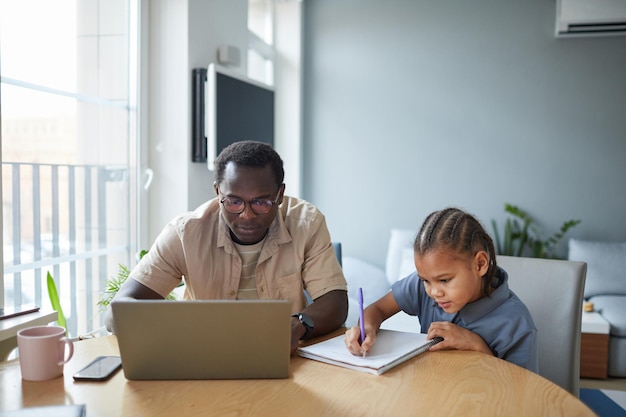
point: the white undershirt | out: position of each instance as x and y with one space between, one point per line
249 257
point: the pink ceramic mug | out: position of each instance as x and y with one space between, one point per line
42 351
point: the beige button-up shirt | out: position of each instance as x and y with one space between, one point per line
297 255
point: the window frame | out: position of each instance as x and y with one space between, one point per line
134 13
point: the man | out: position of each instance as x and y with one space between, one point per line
250 242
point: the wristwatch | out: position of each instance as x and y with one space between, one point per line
306 321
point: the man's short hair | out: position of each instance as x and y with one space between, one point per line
252 154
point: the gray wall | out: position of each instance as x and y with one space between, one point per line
414 105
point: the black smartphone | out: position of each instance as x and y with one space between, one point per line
100 369
10 311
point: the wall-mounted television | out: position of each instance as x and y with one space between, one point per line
228 107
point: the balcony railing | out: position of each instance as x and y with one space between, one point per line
71 221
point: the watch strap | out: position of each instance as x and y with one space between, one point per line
306 321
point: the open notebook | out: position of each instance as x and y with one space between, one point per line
391 349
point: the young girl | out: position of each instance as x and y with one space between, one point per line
458 293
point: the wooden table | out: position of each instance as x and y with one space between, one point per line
451 383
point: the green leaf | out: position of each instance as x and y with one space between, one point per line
56 302
508 238
114 284
523 239
521 236
496 236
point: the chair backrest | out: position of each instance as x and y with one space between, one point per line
337 247
553 292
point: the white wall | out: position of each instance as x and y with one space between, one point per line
288 81
169 106
414 105
183 35
211 24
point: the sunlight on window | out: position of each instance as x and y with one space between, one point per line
65 69
38 47
260 20
260 41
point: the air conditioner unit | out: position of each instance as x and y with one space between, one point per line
590 17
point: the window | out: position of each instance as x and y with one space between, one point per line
67 107
261 40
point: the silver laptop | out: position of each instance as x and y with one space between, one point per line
210 339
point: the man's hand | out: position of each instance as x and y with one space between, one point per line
297 331
131 289
328 312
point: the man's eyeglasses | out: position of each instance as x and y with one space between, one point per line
236 205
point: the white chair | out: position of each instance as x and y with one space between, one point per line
553 292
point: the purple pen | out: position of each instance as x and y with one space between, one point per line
361 319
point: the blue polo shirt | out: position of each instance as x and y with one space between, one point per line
501 319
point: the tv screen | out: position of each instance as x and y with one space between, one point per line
236 108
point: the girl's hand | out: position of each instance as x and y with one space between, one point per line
456 337
374 314
352 337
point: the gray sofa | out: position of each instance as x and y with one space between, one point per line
605 287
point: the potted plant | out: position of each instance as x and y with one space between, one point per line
114 284
521 236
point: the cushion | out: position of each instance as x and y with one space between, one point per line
407 263
613 309
399 240
606 266
362 274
